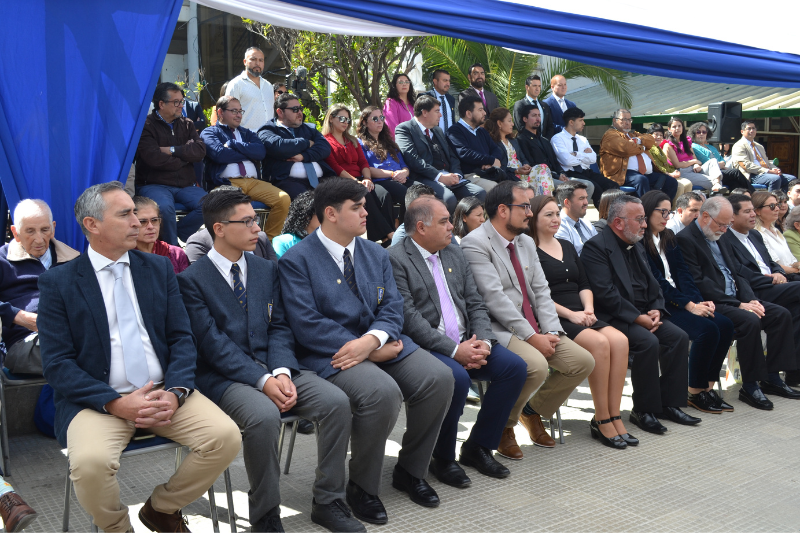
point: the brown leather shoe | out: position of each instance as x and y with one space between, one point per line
162 522
533 423
16 514
508 445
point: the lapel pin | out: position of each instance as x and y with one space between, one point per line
449 269
339 281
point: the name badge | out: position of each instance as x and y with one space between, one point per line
269 311
380 295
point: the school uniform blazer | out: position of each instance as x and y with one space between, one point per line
323 312
231 342
421 304
76 343
498 283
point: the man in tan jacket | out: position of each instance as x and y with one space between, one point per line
625 158
751 160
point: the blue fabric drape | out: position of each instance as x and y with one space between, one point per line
601 42
77 78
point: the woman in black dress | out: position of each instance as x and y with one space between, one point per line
569 288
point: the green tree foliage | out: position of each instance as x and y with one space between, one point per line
506 70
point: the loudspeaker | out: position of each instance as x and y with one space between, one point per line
724 122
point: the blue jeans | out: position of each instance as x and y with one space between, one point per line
166 197
773 181
507 371
711 337
644 182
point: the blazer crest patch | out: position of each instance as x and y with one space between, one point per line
269 311
380 295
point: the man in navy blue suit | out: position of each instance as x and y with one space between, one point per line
557 101
117 349
246 365
347 316
441 91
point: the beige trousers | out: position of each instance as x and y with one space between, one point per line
684 186
268 194
96 440
571 365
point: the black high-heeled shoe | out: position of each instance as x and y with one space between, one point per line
615 442
629 439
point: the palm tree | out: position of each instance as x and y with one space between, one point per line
506 70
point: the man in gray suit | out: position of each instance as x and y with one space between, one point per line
445 315
510 279
246 365
429 157
477 80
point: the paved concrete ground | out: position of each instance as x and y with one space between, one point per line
734 472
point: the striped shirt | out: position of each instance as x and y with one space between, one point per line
256 101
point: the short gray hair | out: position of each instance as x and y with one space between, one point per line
618 206
31 208
618 113
91 203
420 209
714 205
791 217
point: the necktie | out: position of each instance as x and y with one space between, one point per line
562 104
575 149
527 310
444 113
583 237
758 155
639 160
238 287
483 98
311 172
136 371
448 311
427 133
350 273
242 171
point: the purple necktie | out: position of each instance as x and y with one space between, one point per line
448 311
482 98
242 171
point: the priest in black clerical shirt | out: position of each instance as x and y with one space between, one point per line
628 297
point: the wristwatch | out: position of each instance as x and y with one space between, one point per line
172 149
180 394
556 333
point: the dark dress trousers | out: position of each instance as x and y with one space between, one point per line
711 336
617 287
422 310
711 282
236 347
325 314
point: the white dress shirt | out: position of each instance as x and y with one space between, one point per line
337 253
446 110
562 146
633 161
117 378
752 249
298 169
675 224
257 101
777 247
569 232
667 272
561 103
224 265
232 170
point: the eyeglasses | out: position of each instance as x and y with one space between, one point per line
403 82
295 109
664 212
722 226
248 222
379 118
625 120
279 92
526 207
639 220
176 103
344 119
235 111
701 132
155 221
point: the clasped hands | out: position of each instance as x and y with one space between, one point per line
583 318
366 347
146 407
472 353
651 321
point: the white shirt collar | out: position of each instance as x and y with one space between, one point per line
741 236
423 252
336 249
438 94
99 261
224 264
506 242
568 219
472 130
423 128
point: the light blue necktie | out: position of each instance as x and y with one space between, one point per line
132 348
311 172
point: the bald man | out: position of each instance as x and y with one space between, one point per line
557 101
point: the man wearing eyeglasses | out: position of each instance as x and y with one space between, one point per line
625 158
233 157
296 152
628 297
718 276
165 159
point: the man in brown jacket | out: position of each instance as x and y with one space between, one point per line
625 158
165 159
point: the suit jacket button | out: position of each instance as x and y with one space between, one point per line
252 334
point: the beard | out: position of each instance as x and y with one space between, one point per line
710 235
515 230
254 71
632 236
478 84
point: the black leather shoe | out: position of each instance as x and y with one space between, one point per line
679 417
783 390
305 427
481 459
364 506
792 378
449 473
418 489
647 422
335 516
757 400
269 523
704 402
721 404
629 439
615 442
